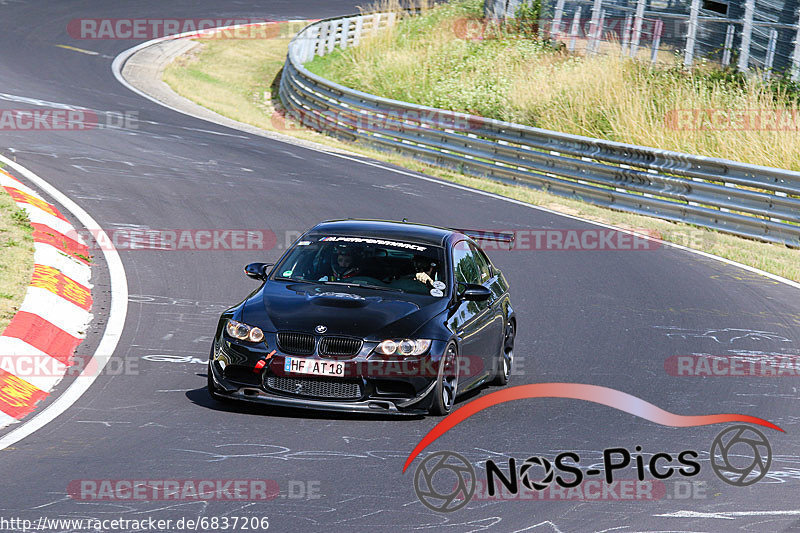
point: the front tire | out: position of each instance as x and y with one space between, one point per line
446 389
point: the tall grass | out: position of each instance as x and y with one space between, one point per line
426 60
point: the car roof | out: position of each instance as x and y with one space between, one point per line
404 231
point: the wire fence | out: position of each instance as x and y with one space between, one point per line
754 35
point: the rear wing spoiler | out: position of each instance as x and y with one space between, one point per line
482 235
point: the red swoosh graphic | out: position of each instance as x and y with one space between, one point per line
578 391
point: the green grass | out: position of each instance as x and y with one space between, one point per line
233 77
240 81
16 257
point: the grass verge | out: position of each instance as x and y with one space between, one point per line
238 79
16 257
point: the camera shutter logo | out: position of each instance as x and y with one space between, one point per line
455 469
729 455
536 461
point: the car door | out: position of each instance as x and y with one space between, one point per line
471 319
495 329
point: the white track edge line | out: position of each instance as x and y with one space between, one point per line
119 62
114 326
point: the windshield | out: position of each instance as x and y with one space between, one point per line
377 263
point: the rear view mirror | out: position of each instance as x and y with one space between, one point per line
257 270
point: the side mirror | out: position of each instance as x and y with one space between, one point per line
475 293
257 270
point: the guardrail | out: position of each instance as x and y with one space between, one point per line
746 200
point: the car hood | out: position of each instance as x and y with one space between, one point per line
343 310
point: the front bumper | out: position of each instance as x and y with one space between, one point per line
370 384
417 405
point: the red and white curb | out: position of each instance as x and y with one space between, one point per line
37 346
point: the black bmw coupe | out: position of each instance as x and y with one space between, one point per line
368 316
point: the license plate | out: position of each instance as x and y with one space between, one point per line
300 365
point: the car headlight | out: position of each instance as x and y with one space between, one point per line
241 331
403 347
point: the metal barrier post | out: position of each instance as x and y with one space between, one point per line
658 29
573 31
511 9
321 37
796 54
376 23
494 10
594 26
637 27
770 59
691 37
333 28
726 54
555 28
626 36
359 29
345 35
747 33
600 28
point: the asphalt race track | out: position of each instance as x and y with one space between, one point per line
607 318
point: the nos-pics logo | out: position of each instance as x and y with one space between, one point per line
445 481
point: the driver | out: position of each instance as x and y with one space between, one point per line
344 265
425 270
